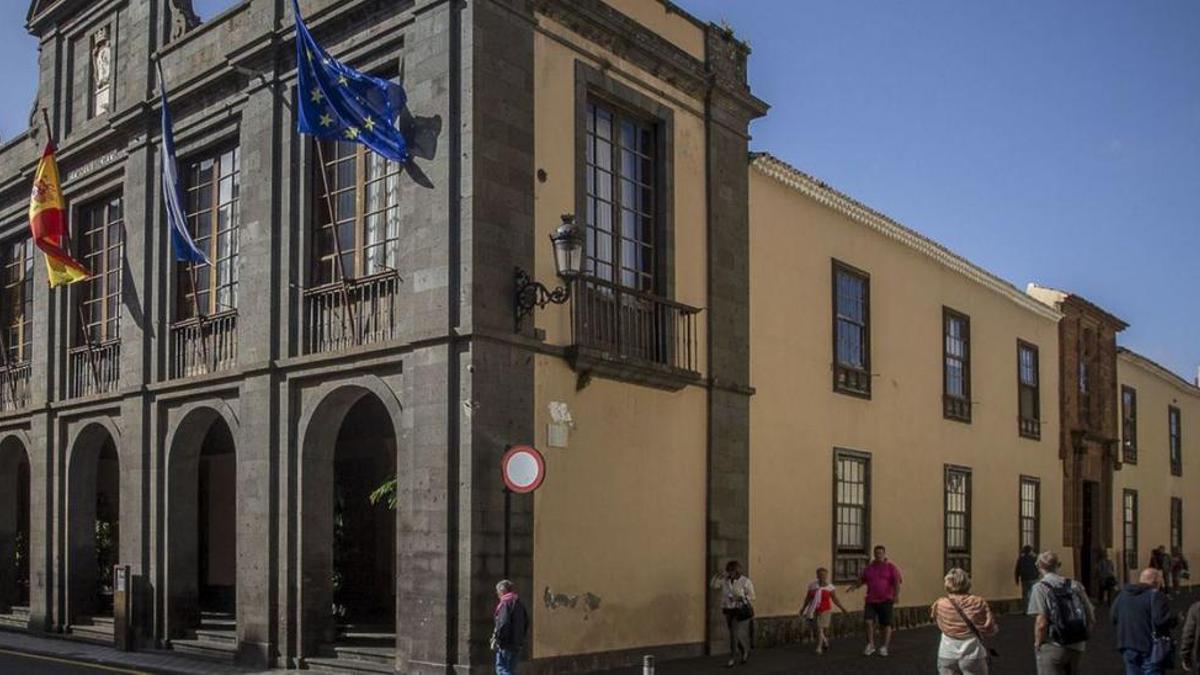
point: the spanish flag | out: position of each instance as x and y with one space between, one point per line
48 222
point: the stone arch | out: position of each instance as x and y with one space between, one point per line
320 427
201 428
15 488
93 495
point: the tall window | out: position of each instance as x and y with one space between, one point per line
956 365
851 513
1175 440
621 198
1129 424
16 305
1031 512
103 242
1028 391
957 521
851 330
1176 524
366 200
213 184
1129 521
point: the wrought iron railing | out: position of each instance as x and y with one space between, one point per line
14 386
635 325
204 344
93 371
350 313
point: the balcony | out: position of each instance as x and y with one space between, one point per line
93 371
204 344
351 313
632 335
14 386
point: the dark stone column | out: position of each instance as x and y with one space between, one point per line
729 109
497 378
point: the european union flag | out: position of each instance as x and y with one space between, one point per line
340 103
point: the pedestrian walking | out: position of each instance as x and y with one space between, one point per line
1179 570
882 580
1064 619
818 608
1189 647
1143 619
1107 574
1158 558
737 604
511 624
1025 573
965 620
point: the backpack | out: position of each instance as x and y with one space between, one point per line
1068 615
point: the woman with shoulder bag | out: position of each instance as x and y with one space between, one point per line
737 604
964 620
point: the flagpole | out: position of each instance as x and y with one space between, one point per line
337 240
87 334
199 317
12 382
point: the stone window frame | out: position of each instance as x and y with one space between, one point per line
845 558
1129 444
592 85
956 556
183 307
847 378
1129 528
1175 534
17 321
1029 427
1175 439
956 408
1035 521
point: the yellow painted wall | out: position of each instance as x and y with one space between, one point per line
678 29
620 516
622 513
797 420
1151 476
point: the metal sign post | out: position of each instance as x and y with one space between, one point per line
523 469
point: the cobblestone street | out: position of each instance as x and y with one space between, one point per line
913 651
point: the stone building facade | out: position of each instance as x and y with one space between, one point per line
220 430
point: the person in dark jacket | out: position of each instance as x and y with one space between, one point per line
1026 573
1189 647
1140 613
511 625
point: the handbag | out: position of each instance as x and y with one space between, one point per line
992 653
1162 651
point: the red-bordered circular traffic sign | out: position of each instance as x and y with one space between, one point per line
523 468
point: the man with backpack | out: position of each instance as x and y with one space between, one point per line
1064 619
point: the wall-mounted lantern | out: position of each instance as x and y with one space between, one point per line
567 242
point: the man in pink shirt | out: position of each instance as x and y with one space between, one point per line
882 580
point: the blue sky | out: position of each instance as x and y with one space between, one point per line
1049 141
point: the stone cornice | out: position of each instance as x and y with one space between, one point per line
821 193
1161 372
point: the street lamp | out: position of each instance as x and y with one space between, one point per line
567 243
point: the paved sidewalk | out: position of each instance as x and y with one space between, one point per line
913 651
144 661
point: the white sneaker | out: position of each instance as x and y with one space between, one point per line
883 651
869 650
